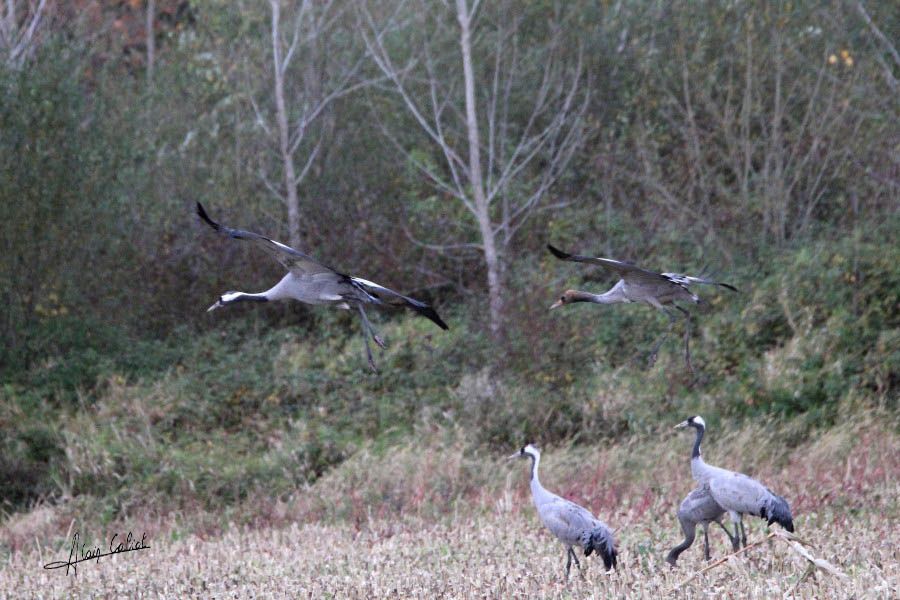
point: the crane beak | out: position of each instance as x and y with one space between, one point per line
514 455
556 304
681 425
215 306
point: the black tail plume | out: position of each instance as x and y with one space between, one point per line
776 510
601 542
729 287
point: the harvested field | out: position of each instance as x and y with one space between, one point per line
490 544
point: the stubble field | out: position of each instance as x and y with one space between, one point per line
491 556
454 528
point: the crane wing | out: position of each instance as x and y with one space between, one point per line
739 493
624 270
382 295
690 280
292 260
567 520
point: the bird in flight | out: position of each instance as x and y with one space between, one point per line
311 282
662 291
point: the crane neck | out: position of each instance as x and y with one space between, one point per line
695 454
538 494
580 296
535 461
615 295
233 297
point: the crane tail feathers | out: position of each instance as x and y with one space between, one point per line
600 541
776 510
728 286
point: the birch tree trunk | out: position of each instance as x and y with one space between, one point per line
284 134
500 161
476 179
151 38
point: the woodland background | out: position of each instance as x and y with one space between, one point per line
434 147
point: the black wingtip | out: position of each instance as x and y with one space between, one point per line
201 212
430 313
558 253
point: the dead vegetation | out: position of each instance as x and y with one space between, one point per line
438 519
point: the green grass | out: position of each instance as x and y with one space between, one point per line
210 419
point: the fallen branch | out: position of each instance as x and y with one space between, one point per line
794 543
723 560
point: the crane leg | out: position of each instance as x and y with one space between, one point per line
367 331
706 541
368 324
735 540
651 359
570 555
687 338
743 534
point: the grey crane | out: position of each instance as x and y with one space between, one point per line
737 493
699 508
570 523
311 282
659 290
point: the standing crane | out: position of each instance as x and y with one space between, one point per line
311 282
699 508
571 524
737 493
659 290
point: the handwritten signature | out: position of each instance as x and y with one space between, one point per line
82 553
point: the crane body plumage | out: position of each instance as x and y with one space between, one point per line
572 524
736 493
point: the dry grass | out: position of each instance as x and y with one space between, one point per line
489 556
438 519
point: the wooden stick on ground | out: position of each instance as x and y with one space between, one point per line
723 560
795 543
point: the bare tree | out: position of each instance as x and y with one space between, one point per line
498 158
150 33
301 99
887 70
756 127
20 24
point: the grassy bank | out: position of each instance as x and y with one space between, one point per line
210 421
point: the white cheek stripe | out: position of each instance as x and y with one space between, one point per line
230 297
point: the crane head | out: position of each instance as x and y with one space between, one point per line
224 299
527 451
567 297
695 421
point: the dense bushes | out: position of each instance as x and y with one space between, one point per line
207 419
116 384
